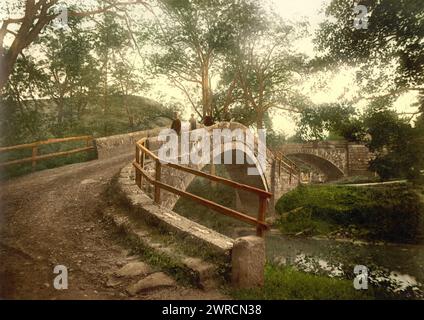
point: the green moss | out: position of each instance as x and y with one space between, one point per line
283 283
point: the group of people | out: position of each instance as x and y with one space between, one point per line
176 122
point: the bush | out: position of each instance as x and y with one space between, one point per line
392 213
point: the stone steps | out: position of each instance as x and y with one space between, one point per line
203 274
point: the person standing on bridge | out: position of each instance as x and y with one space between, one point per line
193 123
208 121
176 124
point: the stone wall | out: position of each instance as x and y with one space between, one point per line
108 147
359 157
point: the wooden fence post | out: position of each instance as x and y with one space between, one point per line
34 157
261 215
157 178
137 173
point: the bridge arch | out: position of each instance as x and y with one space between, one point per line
245 201
325 166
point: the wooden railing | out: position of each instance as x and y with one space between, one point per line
284 163
141 154
35 148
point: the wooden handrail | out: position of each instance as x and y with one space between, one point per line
142 151
291 166
48 141
227 211
207 175
36 157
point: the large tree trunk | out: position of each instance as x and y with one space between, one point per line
206 91
259 120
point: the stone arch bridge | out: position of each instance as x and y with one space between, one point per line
279 174
334 159
282 172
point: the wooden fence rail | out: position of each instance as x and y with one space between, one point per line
35 145
142 152
284 163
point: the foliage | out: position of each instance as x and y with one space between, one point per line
315 123
191 38
31 17
399 147
393 213
390 51
266 68
69 71
274 139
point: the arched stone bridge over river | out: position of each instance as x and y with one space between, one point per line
334 159
279 174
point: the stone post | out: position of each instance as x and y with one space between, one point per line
248 262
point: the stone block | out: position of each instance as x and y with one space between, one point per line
248 262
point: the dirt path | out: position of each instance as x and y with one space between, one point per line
54 217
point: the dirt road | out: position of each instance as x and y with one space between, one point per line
54 217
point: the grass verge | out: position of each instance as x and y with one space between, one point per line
286 283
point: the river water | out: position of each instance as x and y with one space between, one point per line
395 266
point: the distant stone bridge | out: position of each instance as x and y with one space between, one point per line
334 159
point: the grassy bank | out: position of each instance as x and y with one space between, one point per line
282 283
392 213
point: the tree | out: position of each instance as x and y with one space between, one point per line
389 53
71 69
192 37
110 42
267 69
398 146
21 116
317 122
390 58
35 16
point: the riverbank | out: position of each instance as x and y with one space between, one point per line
287 283
388 213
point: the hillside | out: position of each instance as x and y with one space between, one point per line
39 119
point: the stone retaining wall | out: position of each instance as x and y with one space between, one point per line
108 147
168 219
246 255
